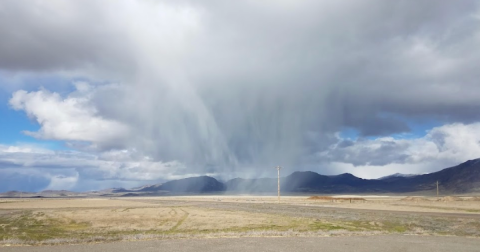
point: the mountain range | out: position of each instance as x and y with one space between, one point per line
463 178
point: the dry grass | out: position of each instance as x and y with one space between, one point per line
76 225
416 199
450 199
337 199
46 203
57 221
328 198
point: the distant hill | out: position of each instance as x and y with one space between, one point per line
201 184
397 175
463 178
251 185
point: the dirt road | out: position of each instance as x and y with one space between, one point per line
391 243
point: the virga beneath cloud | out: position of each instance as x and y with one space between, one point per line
233 89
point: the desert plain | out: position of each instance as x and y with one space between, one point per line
56 221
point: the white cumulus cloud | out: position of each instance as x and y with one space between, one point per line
441 147
71 118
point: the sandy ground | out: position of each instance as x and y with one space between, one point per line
60 221
391 243
46 203
372 202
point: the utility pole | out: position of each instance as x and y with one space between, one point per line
437 188
278 170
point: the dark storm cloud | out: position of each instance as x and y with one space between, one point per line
39 36
346 64
218 86
363 152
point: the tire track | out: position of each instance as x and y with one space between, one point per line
184 217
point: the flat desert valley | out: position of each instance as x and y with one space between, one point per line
57 221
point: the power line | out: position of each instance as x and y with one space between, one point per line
278 183
437 188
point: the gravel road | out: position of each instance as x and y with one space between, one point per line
390 243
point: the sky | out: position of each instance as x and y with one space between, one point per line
122 93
